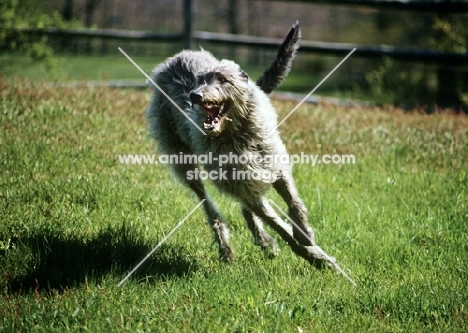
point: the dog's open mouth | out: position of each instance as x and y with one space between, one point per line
214 113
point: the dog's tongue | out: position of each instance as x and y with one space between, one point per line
212 116
212 109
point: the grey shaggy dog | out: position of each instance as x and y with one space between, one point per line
239 120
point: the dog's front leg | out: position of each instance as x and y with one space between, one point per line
261 238
219 227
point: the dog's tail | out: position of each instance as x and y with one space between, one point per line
274 76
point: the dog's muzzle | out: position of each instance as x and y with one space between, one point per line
215 111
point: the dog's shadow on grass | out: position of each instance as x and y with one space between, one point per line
50 261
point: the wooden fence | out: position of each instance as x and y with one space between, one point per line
188 36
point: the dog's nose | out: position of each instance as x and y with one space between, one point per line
196 97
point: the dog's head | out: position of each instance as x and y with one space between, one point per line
220 97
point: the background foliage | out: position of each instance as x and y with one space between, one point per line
18 14
424 85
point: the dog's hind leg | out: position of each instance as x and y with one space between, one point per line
313 254
219 227
261 238
296 210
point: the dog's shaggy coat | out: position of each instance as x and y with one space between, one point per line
238 119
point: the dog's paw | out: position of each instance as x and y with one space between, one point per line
318 258
226 255
270 251
269 246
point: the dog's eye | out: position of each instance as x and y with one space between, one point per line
222 79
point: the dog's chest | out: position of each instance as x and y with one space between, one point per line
236 170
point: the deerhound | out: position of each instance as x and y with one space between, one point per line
219 111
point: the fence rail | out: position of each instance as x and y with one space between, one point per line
436 6
115 34
400 53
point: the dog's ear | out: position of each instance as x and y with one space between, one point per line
231 67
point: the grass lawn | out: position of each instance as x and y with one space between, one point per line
74 222
65 67
116 67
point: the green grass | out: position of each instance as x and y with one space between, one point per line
74 222
117 67
71 67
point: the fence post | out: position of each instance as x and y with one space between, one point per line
188 24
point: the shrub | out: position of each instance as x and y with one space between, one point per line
15 16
